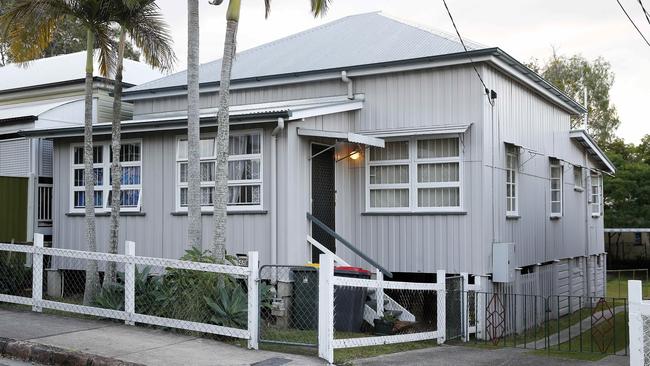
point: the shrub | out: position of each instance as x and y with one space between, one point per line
15 277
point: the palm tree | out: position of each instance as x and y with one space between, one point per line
29 25
318 7
142 22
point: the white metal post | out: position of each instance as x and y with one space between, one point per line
37 273
442 306
253 300
464 307
129 284
380 294
636 323
326 308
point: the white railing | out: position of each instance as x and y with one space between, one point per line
639 325
44 211
330 285
129 261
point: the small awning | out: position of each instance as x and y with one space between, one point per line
583 138
419 131
28 112
343 136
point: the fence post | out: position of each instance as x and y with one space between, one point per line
129 283
37 273
635 322
442 305
464 307
326 308
380 294
253 300
479 307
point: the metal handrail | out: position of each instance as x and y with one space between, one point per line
349 245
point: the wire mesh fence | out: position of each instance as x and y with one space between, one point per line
289 305
552 323
617 281
193 294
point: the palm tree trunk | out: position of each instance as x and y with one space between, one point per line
116 168
223 134
193 128
92 274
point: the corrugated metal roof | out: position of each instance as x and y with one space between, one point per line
34 109
351 41
583 138
62 68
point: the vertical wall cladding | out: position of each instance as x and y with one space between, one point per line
522 117
158 230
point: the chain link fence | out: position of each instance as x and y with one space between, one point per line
193 293
289 305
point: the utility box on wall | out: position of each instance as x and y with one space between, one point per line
503 262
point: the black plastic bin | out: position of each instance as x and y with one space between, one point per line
304 299
349 302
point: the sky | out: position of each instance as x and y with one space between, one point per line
525 29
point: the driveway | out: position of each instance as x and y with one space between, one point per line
462 356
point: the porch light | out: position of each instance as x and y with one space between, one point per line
355 155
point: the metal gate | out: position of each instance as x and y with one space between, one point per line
289 305
455 305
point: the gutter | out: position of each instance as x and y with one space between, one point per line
274 191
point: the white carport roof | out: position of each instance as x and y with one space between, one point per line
29 111
241 114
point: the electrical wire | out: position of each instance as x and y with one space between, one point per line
645 12
631 21
487 90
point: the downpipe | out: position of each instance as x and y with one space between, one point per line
348 81
274 191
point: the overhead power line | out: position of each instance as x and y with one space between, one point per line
645 12
631 21
487 90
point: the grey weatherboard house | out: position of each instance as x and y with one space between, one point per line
383 131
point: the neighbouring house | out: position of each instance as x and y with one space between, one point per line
45 93
381 130
627 246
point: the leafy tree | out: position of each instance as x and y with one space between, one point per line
220 199
68 37
30 25
569 74
627 194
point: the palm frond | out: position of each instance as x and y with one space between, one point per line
319 7
107 49
267 8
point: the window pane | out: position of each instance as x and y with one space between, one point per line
439 172
207 171
389 174
244 195
555 196
577 176
438 148
183 196
98 153
79 177
131 175
207 194
555 207
245 144
128 198
129 152
394 150
555 184
439 197
207 148
389 198
79 199
182 149
244 169
183 172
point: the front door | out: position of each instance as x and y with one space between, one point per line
323 200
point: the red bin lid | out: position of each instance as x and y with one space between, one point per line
352 269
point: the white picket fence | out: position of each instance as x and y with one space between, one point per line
129 315
639 325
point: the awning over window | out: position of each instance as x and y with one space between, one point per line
343 136
419 131
583 138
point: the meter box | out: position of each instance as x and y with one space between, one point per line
503 262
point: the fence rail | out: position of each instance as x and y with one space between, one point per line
138 295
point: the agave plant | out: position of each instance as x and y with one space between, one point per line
229 306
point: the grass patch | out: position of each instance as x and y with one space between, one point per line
347 355
618 287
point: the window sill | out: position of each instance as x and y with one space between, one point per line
239 212
513 217
105 214
424 213
578 189
595 216
555 217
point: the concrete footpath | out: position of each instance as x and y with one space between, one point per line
130 344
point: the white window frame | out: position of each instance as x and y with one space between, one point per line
556 165
512 152
106 185
578 185
596 199
413 185
212 158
